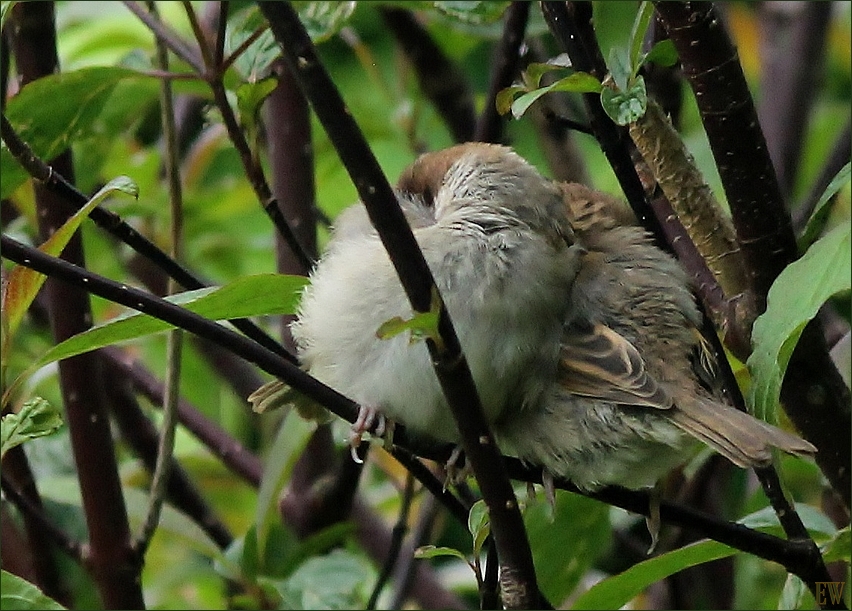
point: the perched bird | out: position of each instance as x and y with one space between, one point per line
579 332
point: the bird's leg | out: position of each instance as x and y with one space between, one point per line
454 473
367 416
549 488
653 519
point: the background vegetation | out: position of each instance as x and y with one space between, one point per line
267 510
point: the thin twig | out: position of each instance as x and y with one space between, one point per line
69 546
172 39
174 346
397 537
489 124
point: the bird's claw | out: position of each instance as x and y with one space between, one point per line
368 415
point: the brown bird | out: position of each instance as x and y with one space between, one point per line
579 332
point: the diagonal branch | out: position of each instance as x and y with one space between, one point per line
450 365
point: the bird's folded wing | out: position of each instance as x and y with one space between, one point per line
599 363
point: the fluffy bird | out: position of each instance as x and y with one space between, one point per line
581 335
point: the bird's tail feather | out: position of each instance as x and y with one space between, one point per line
738 436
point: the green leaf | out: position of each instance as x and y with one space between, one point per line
620 68
257 295
793 300
818 219
51 128
818 524
531 76
566 543
36 418
625 106
250 96
578 82
616 591
293 434
24 283
17 594
5 10
430 551
254 62
479 525
423 325
338 580
839 547
505 97
474 13
663 53
795 594
637 34
324 19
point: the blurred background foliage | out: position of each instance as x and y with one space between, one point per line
227 235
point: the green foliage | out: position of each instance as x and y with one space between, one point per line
423 325
50 128
24 283
36 418
17 594
623 94
566 541
292 436
616 591
105 106
338 580
822 211
793 300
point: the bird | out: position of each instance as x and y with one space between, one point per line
581 335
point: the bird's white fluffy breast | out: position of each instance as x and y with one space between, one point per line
507 310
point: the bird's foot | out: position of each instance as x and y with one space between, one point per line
652 521
454 473
370 420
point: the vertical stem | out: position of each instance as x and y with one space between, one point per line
174 346
112 561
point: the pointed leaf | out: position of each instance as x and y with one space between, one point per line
505 97
479 524
620 68
637 34
25 283
578 82
823 208
663 54
17 594
625 106
293 434
50 128
36 418
257 295
430 551
793 300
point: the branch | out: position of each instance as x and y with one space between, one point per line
172 39
141 436
449 363
440 79
114 565
788 553
793 39
489 125
813 393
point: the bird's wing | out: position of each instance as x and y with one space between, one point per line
599 363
